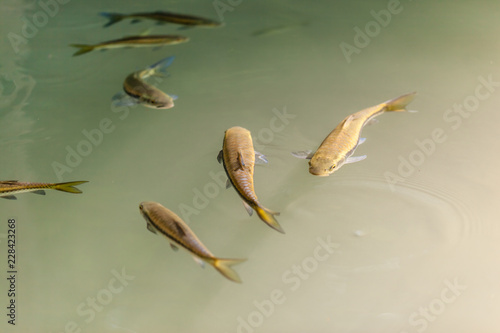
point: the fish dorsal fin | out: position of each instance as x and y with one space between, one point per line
175 248
348 120
220 157
9 197
179 228
241 162
151 228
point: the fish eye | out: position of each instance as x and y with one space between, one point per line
332 167
140 207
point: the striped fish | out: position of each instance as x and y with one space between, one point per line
132 41
238 158
341 143
162 17
161 220
9 188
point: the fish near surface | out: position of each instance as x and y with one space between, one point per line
163 221
162 17
132 41
238 158
9 188
337 148
138 91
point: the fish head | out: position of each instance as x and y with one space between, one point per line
158 101
324 166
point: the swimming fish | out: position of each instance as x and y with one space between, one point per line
163 221
132 41
8 188
238 158
137 91
341 143
162 17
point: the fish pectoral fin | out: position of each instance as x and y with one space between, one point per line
260 158
122 99
361 141
151 228
354 159
9 197
173 247
41 192
199 261
228 183
304 154
248 208
135 21
220 156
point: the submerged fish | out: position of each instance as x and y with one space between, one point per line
137 91
238 157
162 17
8 188
341 143
132 41
162 220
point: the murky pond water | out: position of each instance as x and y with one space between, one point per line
404 241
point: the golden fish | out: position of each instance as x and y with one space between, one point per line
238 157
8 188
341 143
132 41
162 17
162 220
137 91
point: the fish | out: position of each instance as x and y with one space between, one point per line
238 158
162 18
338 147
9 188
131 41
161 220
137 91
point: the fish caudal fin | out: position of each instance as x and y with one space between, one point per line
224 267
268 216
113 18
161 66
399 103
69 186
82 49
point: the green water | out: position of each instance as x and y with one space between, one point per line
404 241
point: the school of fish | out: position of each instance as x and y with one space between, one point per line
237 155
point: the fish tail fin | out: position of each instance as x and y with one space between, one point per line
113 18
399 103
161 66
69 186
83 48
224 267
267 216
